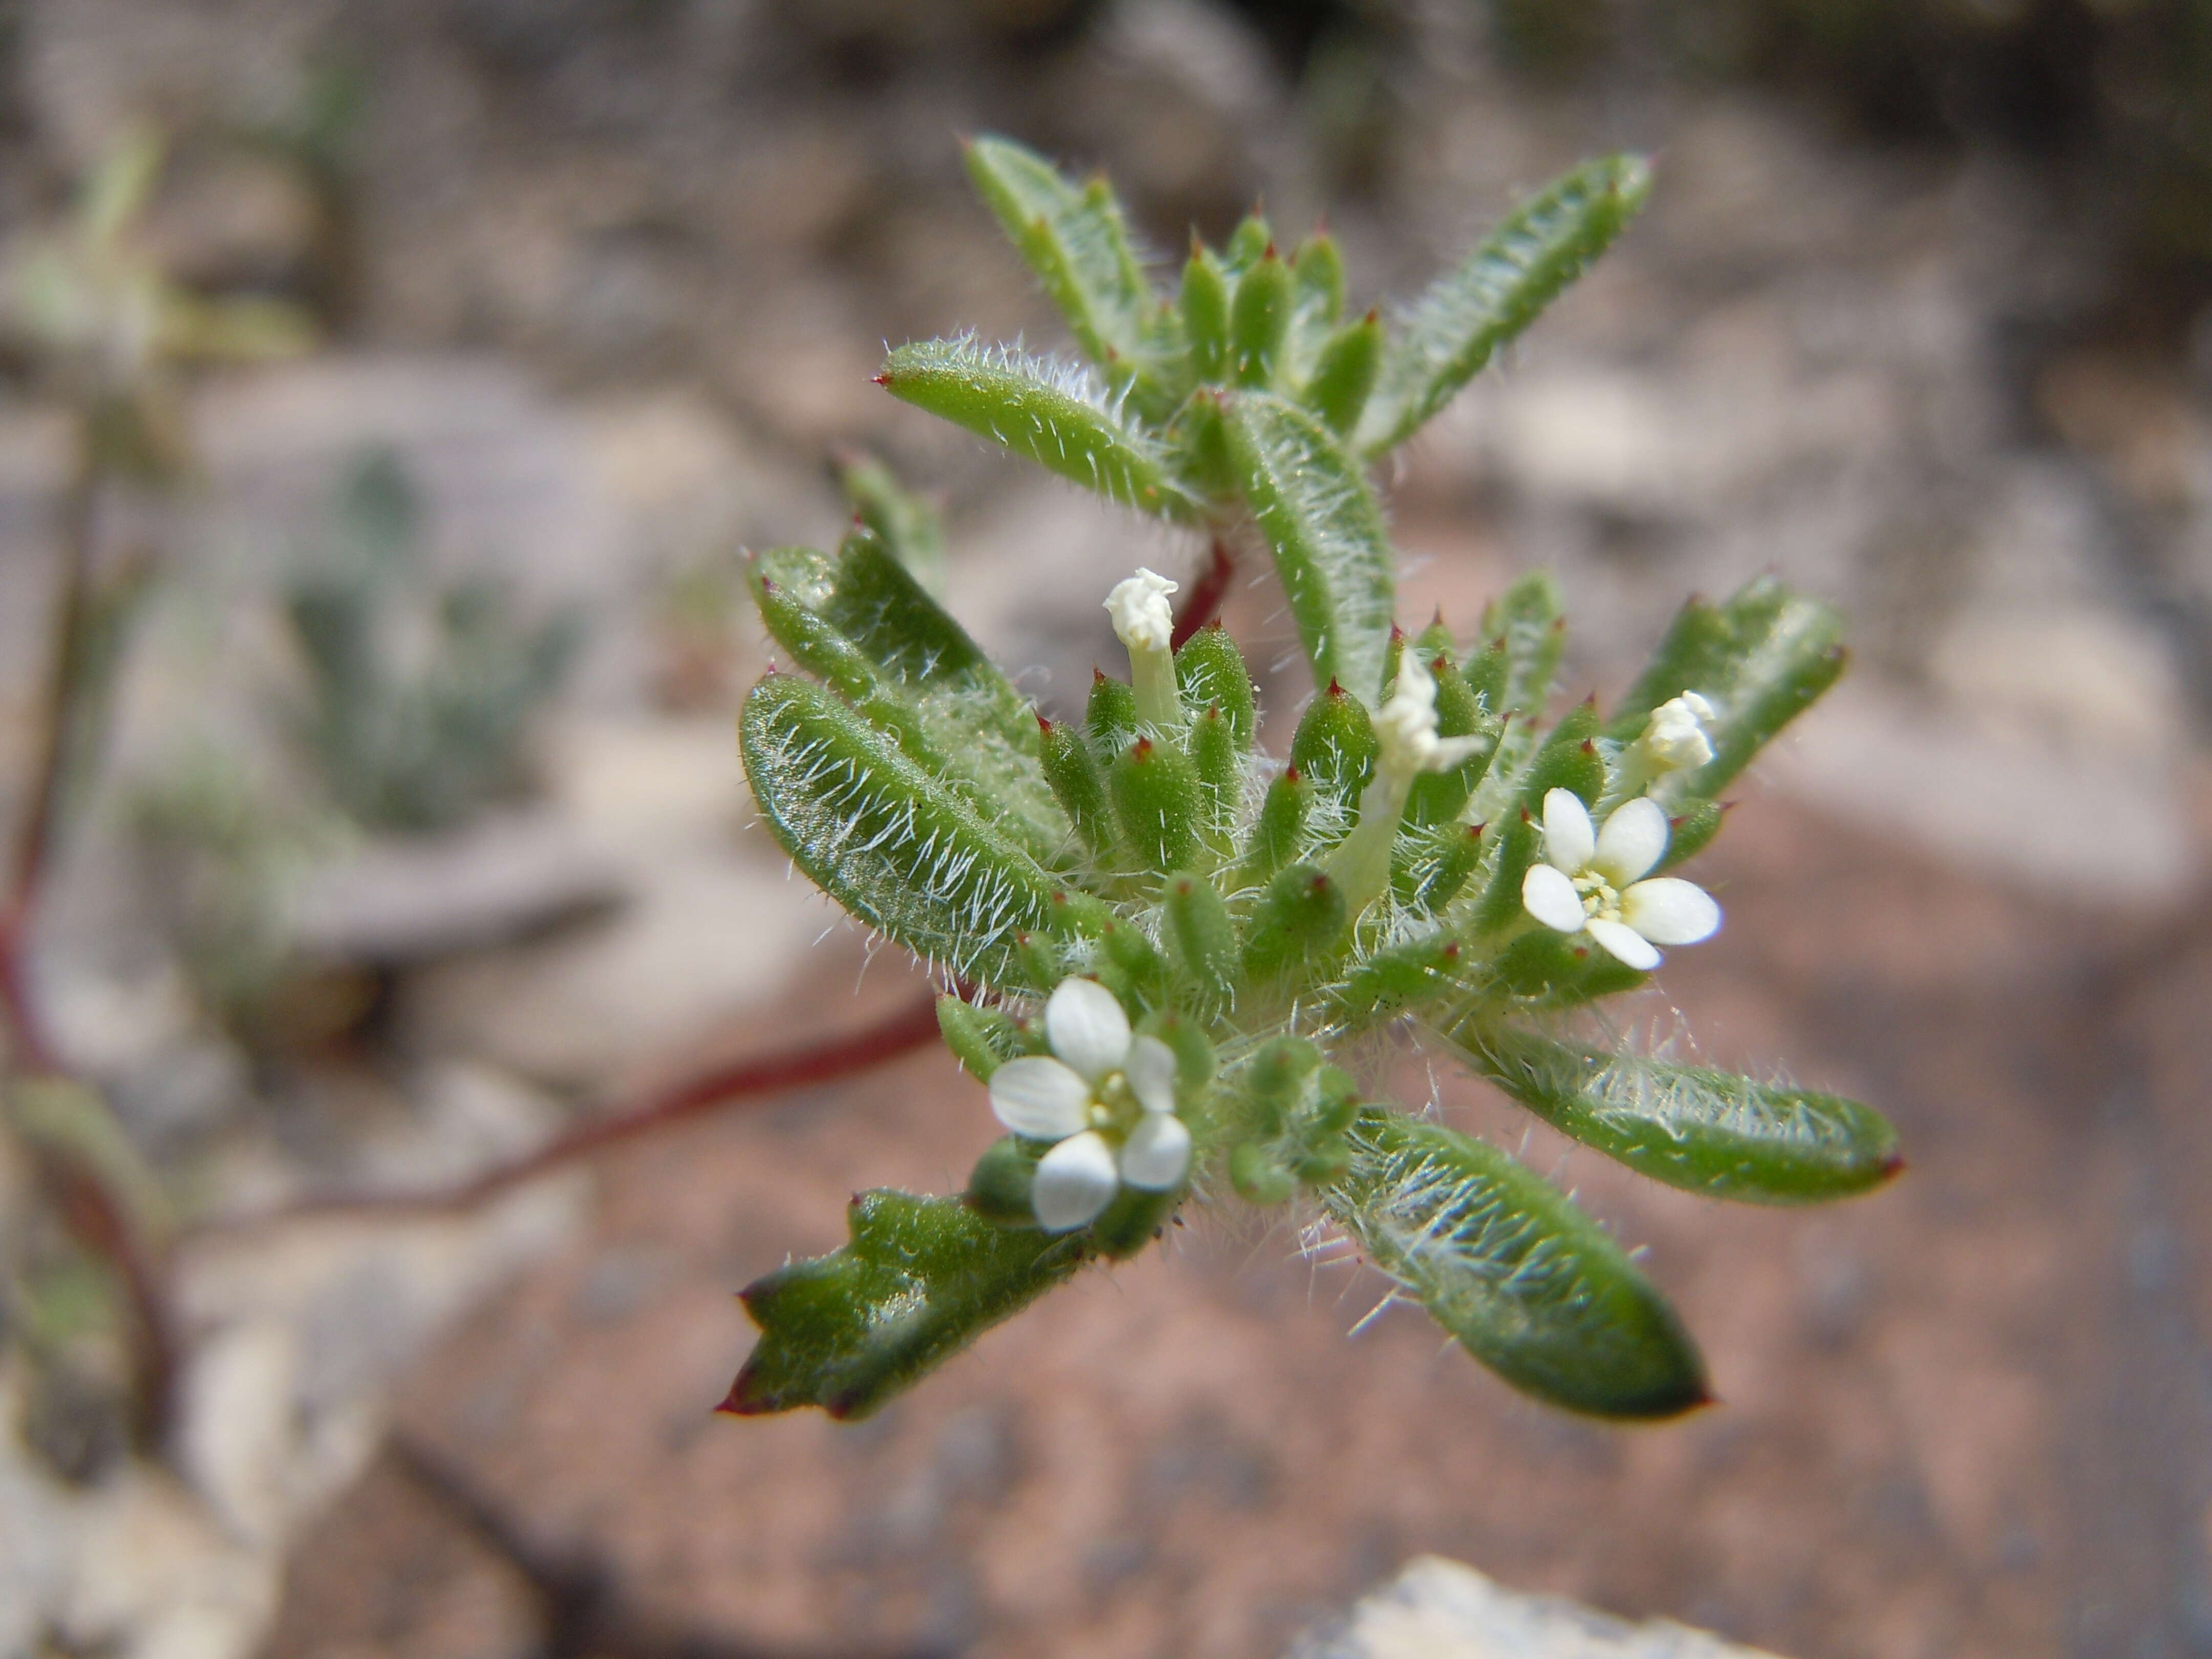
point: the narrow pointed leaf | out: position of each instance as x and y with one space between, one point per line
1692 1127
1527 1282
922 1278
1534 254
1321 522
1052 413
892 844
1525 634
863 622
911 528
1076 240
1762 658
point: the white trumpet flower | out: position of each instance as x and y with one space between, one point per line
1106 1098
1591 881
1143 622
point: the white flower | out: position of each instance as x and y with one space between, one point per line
1672 740
1106 1098
1405 729
1590 881
1143 622
1407 745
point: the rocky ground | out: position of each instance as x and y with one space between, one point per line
611 284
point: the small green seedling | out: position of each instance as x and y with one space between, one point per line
1160 943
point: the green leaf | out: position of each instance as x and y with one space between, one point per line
864 622
1077 241
1549 969
889 843
1692 1127
1279 832
1210 672
981 1039
1321 522
1533 255
1206 315
1260 320
1298 919
1053 413
922 1278
1525 631
1203 936
911 529
1160 803
1527 1282
1762 658
1344 373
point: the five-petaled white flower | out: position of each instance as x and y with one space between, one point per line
1143 622
1106 1098
1589 882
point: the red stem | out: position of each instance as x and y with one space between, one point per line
1207 594
897 1033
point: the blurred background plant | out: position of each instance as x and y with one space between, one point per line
103 329
419 694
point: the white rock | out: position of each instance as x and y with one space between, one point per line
1438 1610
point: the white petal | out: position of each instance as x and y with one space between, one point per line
1084 1023
1151 1074
1670 911
1037 1097
1631 841
1157 1154
1624 942
1569 839
1074 1182
1551 898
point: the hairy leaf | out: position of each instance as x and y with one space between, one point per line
1053 413
888 842
864 622
1762 658
1525 633
1322 523
1692 1127
1533 255
1076 240
1527 1282
910 525
922 1278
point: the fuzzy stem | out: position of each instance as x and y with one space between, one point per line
757 1078
1361 865
1159 704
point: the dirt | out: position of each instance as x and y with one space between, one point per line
1954 1416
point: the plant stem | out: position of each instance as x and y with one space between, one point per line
1207 594
92 1214
754 1080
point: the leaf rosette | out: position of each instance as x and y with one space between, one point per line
1161 938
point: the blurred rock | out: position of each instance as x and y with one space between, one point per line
1439 1609
2093 823
135 1567
395 901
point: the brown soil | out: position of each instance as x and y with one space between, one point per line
1965 1417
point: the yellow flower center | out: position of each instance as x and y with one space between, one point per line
1599 902
1114 1106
